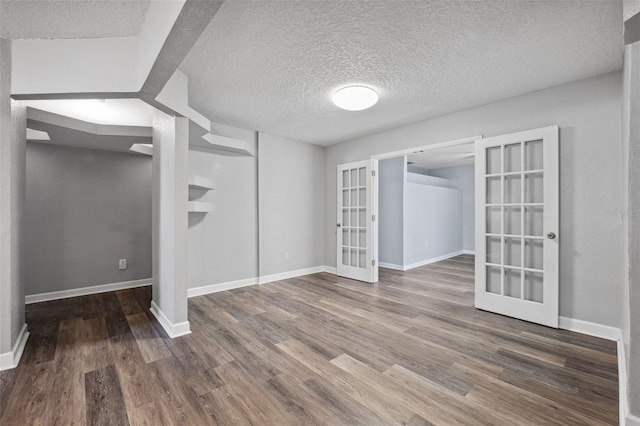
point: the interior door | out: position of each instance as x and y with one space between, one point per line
517 237
355 251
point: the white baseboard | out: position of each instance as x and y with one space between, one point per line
65 294
631 420
290 274
330 269
421 263
12 359
471 252
391 266
608 333
590 328
215 288
173 330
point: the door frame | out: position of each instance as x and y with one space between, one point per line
392 154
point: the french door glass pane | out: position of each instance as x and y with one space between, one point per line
494 250
345 217
494 280
493 161
512 251
533 288
533 220
345 178
533 188
493 220
362 181
512 158
533 254
512 220
533 155
493 190
512 282
512 189
345 256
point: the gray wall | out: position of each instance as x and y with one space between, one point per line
463 178
223 245
85 210
432 222
589 115
631 214
291 203
390 211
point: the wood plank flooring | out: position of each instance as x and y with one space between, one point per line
318 349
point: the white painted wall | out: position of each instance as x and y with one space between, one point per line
589 115
12 181
223 245
291 205
432 222
463 178
391 173
170 239
85 210
630 215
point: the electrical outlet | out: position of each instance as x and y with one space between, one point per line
122 264
286 256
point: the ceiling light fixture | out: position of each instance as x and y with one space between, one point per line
355 98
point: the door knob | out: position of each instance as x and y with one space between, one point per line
551 235
338 225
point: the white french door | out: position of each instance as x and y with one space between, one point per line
517 225
355 251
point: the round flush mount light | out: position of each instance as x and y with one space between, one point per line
355 98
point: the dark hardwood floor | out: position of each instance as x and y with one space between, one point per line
312 350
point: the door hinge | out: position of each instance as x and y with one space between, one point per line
373 262
373 218
373 173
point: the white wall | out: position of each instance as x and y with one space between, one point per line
589 115
12 182
291 204
223 245
463 178
85 210
391 174
432 222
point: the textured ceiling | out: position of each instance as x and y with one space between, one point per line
272 66
35 19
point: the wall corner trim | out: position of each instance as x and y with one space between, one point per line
173 330
11 359
84 291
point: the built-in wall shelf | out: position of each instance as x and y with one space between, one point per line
200 207
200 182
223 143
142 148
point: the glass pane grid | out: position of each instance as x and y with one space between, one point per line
354 199
514 213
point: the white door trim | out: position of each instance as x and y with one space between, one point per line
374 192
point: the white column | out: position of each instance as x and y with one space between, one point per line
13 330
170 222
